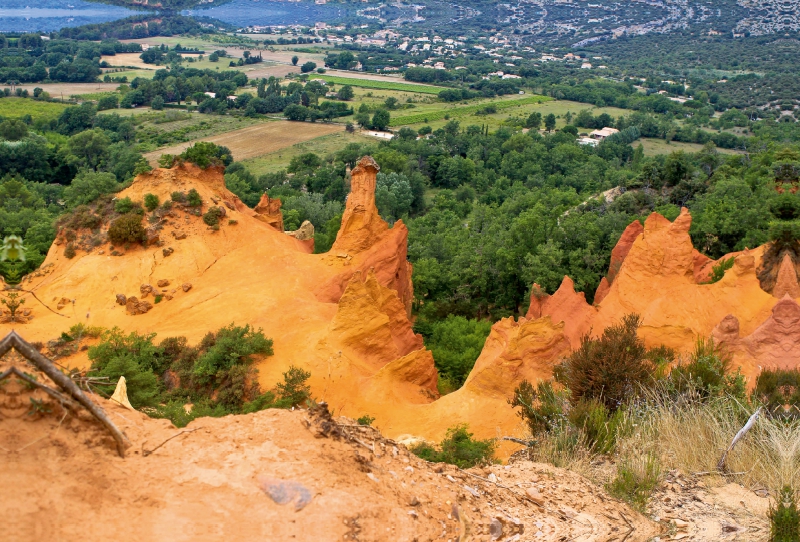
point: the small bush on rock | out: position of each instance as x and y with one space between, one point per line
458 448
151 202
212 216
127 229
635 481
193 198
124 205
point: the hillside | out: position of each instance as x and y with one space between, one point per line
270 476
344 316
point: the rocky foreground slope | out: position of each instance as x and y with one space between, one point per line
345 315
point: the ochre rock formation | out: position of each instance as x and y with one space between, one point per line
774 344
344 315
786 282
661 277
269 211
304 234
623 247
365 241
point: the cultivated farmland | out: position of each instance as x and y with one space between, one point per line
257 140
14 108
380 85
430 116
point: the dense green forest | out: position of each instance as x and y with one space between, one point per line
49 167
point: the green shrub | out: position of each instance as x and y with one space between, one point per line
127 229
366 419
82 330
206 154
225 366
178 197
69 252
175 411
133 356
542 408
718 270
151 202
785 518
124 205
212 216
708 373
613 368
193 198
293 391
599 426
158 298
635 480
458 448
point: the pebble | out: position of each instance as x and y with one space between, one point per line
492 477
534 495
472 490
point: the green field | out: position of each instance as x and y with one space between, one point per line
653 147
431 116
380 85
13 107
322 146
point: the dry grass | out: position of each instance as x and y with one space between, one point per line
258 140
56 90
687 435
693 437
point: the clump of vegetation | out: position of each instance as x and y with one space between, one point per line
217 376
366 419
707 373
126 205
133 356
151 202
718 270
542 408
203 153
127 229
635 480
212 216
225 366
614 368
458 448
69 252
193 198
600 428
785 518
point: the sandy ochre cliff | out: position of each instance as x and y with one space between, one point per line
345 315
